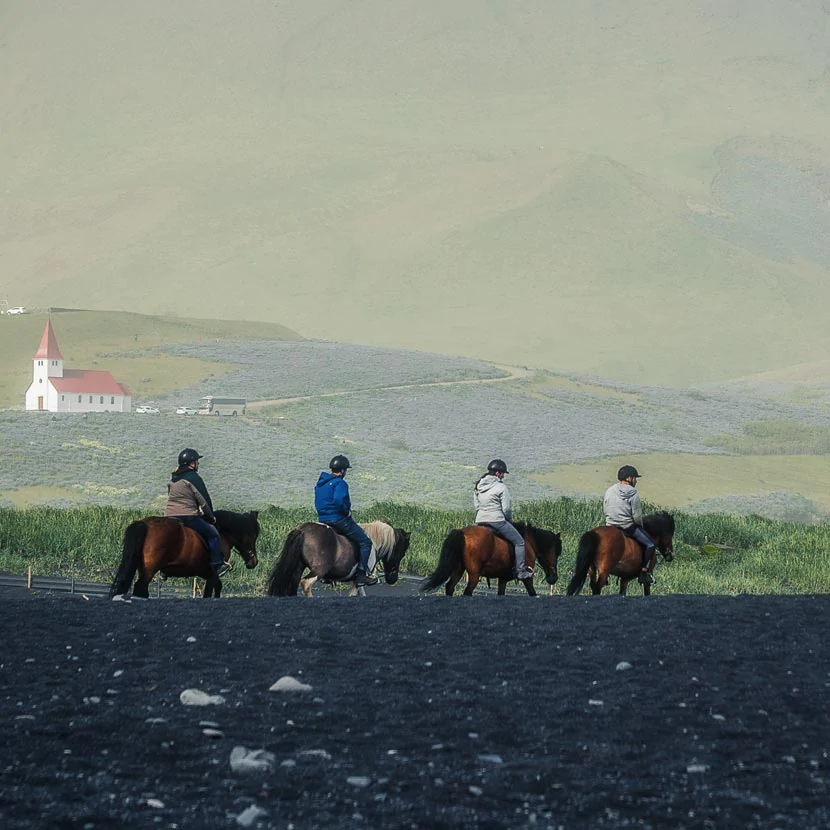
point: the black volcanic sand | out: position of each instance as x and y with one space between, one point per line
461 712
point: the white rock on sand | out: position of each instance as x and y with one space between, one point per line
251 760
196 697
289 684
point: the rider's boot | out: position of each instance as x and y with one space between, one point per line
646 577
522 570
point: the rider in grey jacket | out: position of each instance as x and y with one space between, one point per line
624 510
491 499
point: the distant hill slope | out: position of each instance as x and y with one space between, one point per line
516 182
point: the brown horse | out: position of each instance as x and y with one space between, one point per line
479 552
162 545
607 551
331 557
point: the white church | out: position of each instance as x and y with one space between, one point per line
55 389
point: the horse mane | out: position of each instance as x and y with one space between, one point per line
663 519
383 537
237 523
538 532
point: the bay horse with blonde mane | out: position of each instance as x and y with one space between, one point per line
607 551
159 544
331 557
477 550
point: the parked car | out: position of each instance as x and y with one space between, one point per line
147 410
18 309
187 410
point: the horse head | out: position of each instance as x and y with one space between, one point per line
242 531
392 558
548 547
660 526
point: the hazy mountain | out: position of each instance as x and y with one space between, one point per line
522 182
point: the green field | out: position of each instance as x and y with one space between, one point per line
127 345
679 480
715 554
632 190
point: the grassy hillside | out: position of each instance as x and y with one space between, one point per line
127 345
408 174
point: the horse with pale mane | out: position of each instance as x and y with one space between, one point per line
331 557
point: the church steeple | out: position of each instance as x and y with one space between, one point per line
48 345
48 358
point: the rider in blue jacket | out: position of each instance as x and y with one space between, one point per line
334 508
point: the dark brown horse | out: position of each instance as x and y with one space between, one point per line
161 545
479 552
607 551
331 557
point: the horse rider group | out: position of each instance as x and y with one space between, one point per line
189 502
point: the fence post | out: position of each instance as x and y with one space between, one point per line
158 587
29 577
195 585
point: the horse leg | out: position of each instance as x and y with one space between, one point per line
454 579
217 588
601 582
623 585
646 590
592 575
141 589
307 585
502 587
529 586
472 581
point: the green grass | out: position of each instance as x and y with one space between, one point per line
714 554
680 480
776 438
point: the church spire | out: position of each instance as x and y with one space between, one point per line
48 349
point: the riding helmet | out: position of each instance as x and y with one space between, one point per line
339 463
497 466
188 456
627 471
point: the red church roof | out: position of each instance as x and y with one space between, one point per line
48 345
87 382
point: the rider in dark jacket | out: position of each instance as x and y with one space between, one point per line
189 501
334 508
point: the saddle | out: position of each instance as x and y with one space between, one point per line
355 551
511 548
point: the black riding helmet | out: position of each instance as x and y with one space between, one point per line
497 466
627 471
339 463
188 456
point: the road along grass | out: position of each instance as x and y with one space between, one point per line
714 553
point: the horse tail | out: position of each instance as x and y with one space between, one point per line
450 557
284 578
131 554
588 544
